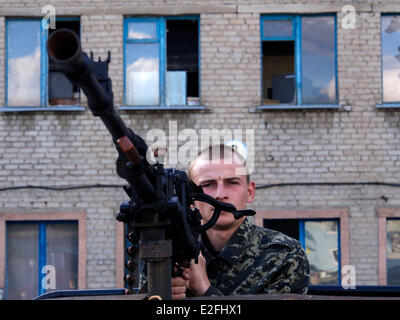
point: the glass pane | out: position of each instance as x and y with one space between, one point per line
23 63
391 58
142 74
142 30
22 261
318 58
278 28
322 251
393 251
62 254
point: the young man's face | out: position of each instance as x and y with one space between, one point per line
224 182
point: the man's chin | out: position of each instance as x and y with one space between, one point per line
227 220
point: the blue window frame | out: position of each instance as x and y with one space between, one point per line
27 66
32 245
299 65
390 55
161 62
320 239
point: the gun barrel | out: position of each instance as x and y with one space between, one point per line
64 48
63 45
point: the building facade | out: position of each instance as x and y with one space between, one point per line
310 88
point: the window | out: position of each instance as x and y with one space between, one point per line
320 239
390 30
388 246
33 81
393 251
161 61
299 60
30 246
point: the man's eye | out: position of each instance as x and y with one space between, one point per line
206 185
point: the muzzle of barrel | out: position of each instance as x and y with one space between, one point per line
64 48
63 45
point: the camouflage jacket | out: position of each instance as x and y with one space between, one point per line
257 260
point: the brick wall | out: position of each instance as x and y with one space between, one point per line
355 144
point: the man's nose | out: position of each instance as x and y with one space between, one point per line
221 192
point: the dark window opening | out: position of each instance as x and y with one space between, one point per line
61 90
278 72
182 62
290 227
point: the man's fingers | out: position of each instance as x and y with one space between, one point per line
179 296
185 273
179 282
178 290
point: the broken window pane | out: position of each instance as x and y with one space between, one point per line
391 58
23 63
318 60
278 72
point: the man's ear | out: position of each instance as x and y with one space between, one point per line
251 191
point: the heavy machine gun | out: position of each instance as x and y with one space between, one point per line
164 224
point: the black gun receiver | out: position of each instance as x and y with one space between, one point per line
163 221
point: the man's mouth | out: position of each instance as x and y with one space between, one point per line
221 212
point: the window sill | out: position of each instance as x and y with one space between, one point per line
388 106
164 108
41 109
295 107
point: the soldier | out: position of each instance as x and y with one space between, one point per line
238 257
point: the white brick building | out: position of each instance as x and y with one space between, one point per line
335 124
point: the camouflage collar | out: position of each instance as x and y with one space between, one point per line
236 246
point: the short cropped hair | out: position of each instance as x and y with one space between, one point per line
218 151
